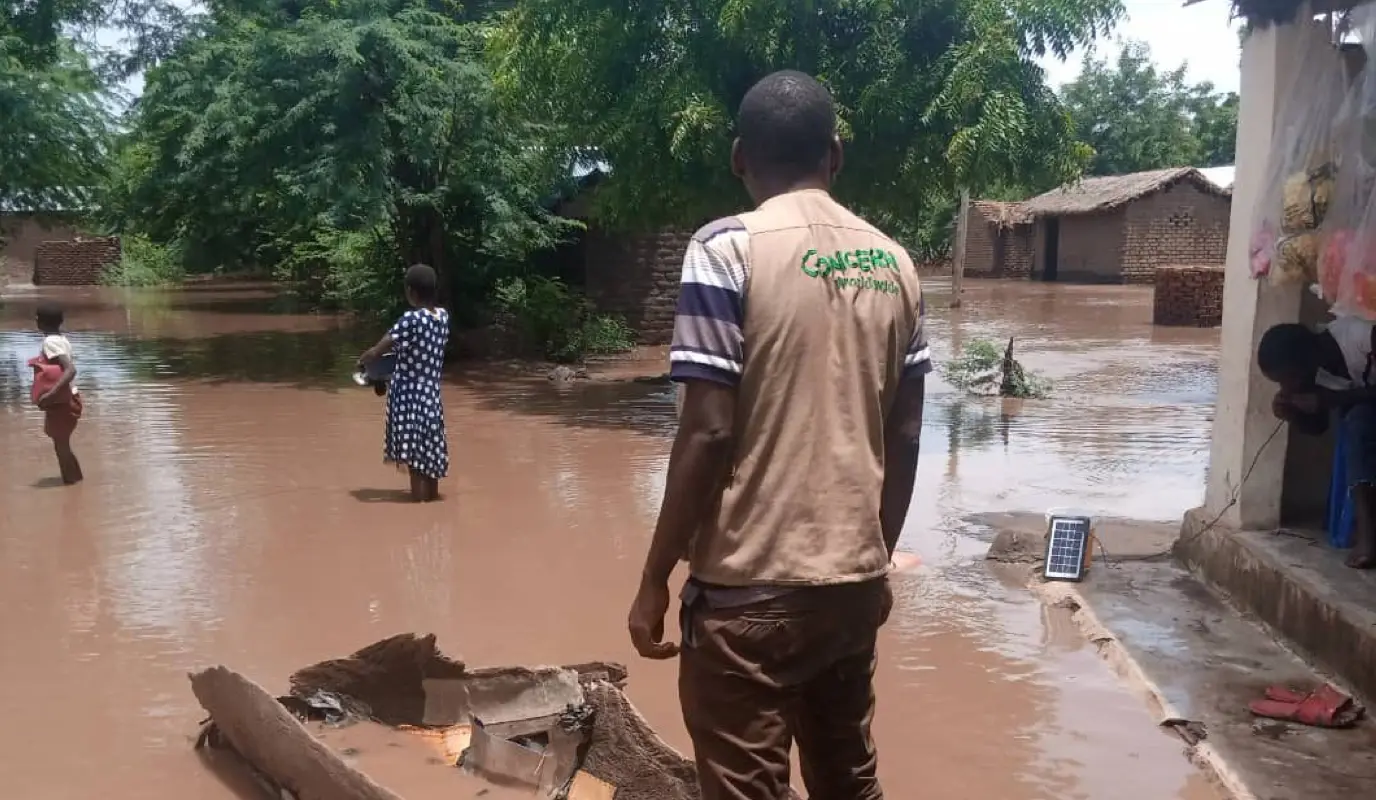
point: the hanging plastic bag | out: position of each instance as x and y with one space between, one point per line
1296 259
1297 192
1347 260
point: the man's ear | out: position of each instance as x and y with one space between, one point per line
737 159
838 156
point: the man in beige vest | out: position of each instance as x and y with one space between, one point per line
799 346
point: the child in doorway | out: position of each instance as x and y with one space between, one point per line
55 390
1332 370
415 413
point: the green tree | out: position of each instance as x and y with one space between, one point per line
1214 115
55 129
54 125
336 140
1137 118
932 94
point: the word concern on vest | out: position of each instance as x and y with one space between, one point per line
817 265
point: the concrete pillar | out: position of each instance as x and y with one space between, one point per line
1242 418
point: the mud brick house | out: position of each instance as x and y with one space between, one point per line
21 232
998 240
1119 229
1116 229
632 274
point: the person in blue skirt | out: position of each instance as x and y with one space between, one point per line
415 411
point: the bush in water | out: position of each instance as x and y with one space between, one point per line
144 262
560 320
980 370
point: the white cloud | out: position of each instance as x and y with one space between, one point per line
1202 36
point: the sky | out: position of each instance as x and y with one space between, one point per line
1202 36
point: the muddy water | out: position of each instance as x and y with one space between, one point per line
236 511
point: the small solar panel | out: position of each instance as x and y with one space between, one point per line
1067 543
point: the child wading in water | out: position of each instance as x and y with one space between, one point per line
55 390
415 413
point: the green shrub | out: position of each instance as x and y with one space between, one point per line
979 370
560 321
354 270
145 263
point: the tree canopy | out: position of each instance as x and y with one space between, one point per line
336 140
1137 118
932 94
55 123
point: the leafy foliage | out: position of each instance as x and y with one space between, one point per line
559 320
980 370
145 263
55 127
932 94
1136 118
338 141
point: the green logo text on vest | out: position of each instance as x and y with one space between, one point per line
816 265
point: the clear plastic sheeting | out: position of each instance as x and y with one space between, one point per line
1301 175
1347 263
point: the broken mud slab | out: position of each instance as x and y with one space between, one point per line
390 720
1020 538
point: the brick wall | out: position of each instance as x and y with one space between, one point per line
20 235
74 263
1181 225
1189 296
1090 248
1017 251
981 239
994 253
637 276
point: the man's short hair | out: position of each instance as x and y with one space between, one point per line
1287 347
786 124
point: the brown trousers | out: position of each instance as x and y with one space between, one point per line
754 678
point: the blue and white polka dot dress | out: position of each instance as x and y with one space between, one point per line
415 413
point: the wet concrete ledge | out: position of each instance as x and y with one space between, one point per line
1297 585
1199 663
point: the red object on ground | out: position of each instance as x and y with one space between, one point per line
1325 707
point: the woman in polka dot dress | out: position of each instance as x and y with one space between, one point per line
415 412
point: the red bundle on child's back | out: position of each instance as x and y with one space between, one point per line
46 375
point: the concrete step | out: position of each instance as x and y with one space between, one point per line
1295 583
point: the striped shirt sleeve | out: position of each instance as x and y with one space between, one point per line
918 360
707 341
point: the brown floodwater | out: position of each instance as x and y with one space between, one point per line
237 511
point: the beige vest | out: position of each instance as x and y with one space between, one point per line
831 305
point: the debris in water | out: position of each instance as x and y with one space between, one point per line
557 731
985 371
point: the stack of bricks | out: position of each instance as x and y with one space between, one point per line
1188 296
637 276
80 262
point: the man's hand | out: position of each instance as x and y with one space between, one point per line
646 622
45 400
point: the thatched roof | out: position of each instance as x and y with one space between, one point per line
1093 195
1001 214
